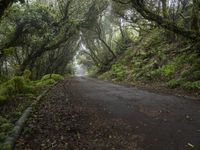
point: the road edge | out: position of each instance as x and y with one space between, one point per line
10 141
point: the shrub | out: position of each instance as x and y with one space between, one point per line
2 99
168 70
191 75
192 85
118 71
5 128
175 83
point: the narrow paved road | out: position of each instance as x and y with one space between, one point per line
106 116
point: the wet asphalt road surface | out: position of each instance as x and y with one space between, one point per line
164 122
84 113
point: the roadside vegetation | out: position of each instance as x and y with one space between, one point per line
37 46
18 93
147 43
157 58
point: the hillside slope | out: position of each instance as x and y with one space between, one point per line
159 59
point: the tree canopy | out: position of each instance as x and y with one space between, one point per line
44 36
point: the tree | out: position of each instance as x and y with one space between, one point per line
140 6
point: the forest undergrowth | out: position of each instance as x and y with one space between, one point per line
160 59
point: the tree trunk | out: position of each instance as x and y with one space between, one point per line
108 47
195 16
164 8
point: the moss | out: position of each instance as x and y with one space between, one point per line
17 85
3 78
55 77
45 83
27 74
22 86
168 70
8 51
106 76
2 99
2 136
5 128
5 147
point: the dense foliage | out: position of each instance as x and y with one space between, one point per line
44 36
148 61
133 41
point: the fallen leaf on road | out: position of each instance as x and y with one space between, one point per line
190 145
